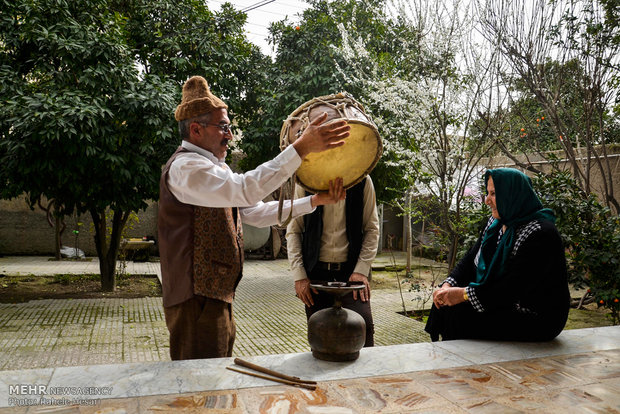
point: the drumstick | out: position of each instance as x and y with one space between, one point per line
258 368
282 381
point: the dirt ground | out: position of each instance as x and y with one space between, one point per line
17 289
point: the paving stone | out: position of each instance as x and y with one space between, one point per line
270 319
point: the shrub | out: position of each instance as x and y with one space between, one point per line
591 235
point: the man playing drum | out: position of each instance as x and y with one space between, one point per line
201 207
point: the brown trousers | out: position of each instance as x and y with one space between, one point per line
200 327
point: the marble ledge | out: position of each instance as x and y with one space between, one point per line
161 378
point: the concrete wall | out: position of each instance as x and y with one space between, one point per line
27 232
537 161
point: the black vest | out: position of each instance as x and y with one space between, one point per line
313 229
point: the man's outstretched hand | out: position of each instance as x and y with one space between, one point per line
335 194
320 136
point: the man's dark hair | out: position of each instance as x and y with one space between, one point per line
184 124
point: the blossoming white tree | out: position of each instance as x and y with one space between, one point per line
565 55
426 98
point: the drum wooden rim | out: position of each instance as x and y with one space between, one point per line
344 161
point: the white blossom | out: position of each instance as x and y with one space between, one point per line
424 120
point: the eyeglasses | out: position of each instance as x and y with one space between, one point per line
226 128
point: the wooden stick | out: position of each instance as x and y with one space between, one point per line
282 381
258 368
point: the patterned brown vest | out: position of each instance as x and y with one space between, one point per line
200 248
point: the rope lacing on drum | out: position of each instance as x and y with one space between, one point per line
288 187
287 191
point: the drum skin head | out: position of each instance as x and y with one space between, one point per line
352 161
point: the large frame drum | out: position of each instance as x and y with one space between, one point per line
352 161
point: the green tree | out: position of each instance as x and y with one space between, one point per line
527 129
563 54
81 124
177 39
91 86
591 236
306 66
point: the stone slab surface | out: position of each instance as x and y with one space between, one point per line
573 375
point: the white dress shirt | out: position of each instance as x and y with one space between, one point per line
200 179
334 243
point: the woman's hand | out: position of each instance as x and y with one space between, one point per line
436 292
448 296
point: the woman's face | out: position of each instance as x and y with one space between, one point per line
490 199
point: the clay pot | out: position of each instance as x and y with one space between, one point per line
336 334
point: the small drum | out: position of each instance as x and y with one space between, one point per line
352 161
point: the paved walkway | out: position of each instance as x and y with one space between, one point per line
270 319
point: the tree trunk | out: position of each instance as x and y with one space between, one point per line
107 268
57 239
58 224
454 245
107 252
409 232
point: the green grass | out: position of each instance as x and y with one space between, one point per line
586 318
67 278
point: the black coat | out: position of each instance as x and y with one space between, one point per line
529 302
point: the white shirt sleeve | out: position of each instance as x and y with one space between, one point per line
198 178
370 221
266 214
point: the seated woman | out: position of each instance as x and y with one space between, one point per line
512 285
